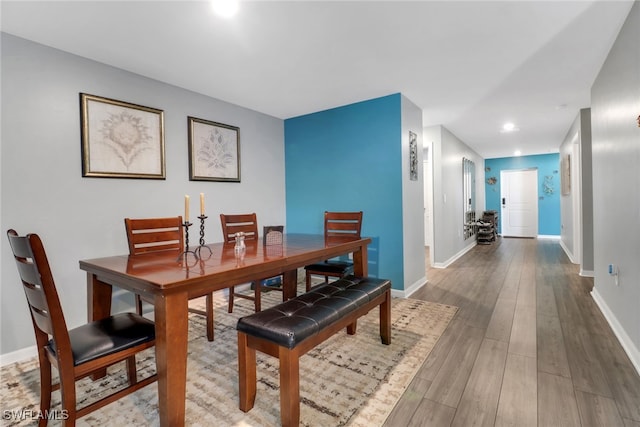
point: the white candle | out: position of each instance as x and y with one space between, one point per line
186 208
201 204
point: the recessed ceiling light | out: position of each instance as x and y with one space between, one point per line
509 127
225 8
517 153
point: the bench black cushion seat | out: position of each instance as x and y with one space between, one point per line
293 321
336 267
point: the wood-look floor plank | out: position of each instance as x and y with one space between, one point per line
545 299
499 327
407 406
552 356
480 398
587 371
523 333
518 397
442 350
624 382
556 401
629 423
431 414
450 381
597 410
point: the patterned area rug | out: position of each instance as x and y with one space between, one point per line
348 380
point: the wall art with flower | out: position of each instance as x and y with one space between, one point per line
214 151
120 139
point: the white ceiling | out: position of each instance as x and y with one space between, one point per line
469 66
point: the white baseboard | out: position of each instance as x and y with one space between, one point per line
568 252
407 292
587 273
451 260
18 356
548 236
626 342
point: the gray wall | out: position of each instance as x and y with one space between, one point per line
586 181
567 237
448 219
78 218
579 133
615 98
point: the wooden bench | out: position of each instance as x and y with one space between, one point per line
289 330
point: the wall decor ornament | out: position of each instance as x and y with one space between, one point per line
120 139
413 156
214 151
547 185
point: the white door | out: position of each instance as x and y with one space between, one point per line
519 201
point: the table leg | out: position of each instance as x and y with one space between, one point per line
98 298
290 284
171 318
98 307
361 262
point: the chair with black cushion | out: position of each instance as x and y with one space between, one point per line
336 224
248 225
162 234
79 352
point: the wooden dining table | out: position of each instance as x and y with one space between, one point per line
171 279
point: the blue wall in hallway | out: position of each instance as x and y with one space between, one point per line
349 159
548 166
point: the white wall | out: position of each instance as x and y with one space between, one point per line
615 97
78 218
412 202
448 217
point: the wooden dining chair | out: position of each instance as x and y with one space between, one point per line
81 351
336 224
247 224
160 234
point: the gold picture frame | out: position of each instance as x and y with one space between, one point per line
120 139
214 151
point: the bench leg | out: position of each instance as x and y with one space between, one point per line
385 319
351 328
246 373
289 386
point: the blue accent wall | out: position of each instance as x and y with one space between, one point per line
548 166
349 159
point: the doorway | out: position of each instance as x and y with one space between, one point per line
519 202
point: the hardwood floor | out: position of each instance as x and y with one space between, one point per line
528 346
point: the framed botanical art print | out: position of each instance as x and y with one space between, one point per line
413 156
121 140
214 151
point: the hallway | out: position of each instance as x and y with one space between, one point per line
528 346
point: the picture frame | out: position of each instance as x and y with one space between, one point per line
413 156
121 139
214 151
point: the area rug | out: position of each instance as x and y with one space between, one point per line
349 380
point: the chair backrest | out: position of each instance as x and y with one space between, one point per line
342 224
232 224
154 234
40 290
